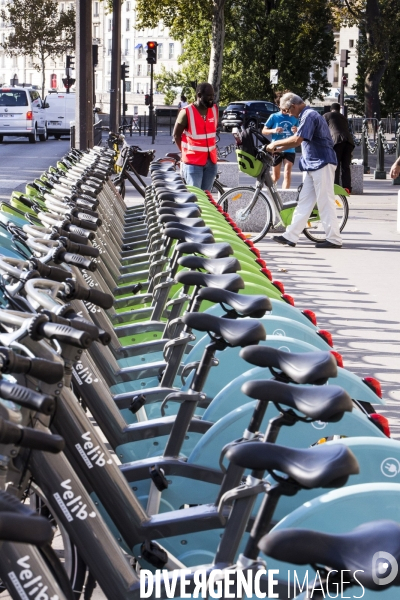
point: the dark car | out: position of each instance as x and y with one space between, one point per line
250 113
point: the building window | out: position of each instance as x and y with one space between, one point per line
147 88
351 43
109 27
108 85
160 50
140 51
96 81
95 9
337 47
335 73
62 7
128 6
109 67
171 51
128 86
95 31
138 69
127 46
148 70
138 88
128 24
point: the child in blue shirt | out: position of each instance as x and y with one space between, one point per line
280 125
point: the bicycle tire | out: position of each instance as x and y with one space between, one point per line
316 233
217 190
238 198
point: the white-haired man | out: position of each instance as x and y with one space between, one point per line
318 161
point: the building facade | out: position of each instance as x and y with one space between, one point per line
19 70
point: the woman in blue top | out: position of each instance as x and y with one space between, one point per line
281 126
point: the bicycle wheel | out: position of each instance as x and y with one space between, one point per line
315 230
254 225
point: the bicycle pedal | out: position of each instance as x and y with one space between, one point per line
158 478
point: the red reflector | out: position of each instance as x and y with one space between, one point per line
374 384
238 230
242 236
310 316
268 273
225 214
279 285
382 423
219 209
255 251
327 336
29 115
288 299
249 243
339 358
261 262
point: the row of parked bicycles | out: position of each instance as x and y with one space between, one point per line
148 365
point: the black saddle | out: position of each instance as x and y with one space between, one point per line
170 204
227 281
244 305
321 466
188 222
168 176
189 236
349 552
304 367
185 212
211 265
180 197
177 225
218 250
326 403
169 186
234 333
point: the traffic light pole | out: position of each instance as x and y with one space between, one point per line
123 91
84 78
115 105
151 108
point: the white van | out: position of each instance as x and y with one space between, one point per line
22 114
60 112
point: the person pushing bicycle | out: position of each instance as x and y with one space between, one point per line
318 161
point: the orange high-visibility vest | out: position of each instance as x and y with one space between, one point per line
199 138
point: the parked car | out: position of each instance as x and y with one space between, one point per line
22 114
249 113
60 113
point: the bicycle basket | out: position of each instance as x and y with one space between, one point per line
140 161
248 164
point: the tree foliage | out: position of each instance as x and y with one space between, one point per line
40 31
378 49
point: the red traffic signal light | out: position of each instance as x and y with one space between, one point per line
345 79
152 53
68 82
147 99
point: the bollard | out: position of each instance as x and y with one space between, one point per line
398 211
380 172
397 180
364 148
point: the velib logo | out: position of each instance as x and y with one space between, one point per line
27 585
71 505
90 453
83 375
384 568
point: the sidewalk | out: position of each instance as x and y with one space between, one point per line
353 291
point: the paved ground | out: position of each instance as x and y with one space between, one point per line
354 291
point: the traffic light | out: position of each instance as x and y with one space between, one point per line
70 62
68 82
152 53
124 71
345 79
147 99
95 55
344 58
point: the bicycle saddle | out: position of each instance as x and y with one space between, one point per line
173 219
326 403
171 204
167 167
185 212
244 305
304 367
180 197
234 333
160 177
178 225
227 281
189 236
320 466
219 250
211 265
349 552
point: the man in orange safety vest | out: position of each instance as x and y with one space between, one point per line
195 135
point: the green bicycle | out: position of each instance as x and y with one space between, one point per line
256 210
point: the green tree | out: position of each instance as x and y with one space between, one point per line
378 21
40 31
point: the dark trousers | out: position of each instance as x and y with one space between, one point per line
343 154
